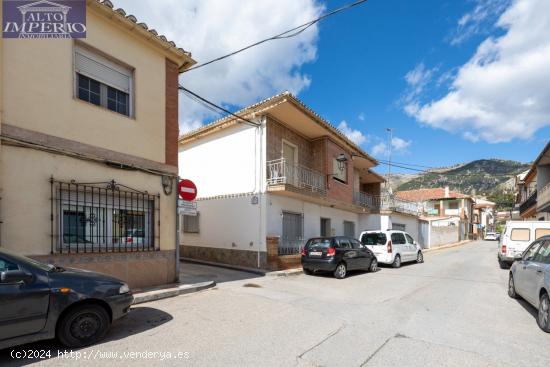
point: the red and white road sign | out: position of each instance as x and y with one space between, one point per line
187 190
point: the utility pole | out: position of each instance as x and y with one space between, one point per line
390 141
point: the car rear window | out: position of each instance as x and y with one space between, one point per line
541 232
318 244
374 238
520 234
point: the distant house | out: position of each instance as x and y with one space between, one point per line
442 202
533 194
484 217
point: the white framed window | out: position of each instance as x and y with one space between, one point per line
103 82
191 223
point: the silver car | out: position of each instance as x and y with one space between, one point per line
530 279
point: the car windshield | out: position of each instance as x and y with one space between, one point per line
318 243
29 262
374 238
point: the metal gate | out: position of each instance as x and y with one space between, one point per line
292 239
349 229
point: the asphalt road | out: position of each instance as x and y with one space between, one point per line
453 310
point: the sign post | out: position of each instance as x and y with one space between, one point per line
187 192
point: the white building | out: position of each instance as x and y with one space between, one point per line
267 184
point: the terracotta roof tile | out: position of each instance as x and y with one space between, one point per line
429 194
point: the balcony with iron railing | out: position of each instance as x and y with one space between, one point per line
390 202
366 200
528 203
543 199
281 172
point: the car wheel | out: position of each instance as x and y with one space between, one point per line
373 266
340 271
419 257
502 264
396 262
512 287
543 318
308 271
83 325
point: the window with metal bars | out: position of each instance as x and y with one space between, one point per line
102 217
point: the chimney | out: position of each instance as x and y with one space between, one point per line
446 191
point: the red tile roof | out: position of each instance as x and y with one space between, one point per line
429 194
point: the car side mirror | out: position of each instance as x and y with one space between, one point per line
518 257
15 276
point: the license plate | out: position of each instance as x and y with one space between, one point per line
315 253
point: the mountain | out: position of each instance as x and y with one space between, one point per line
481 177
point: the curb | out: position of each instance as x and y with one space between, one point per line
171 292
285 273
446 246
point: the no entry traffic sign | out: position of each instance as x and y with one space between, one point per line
187 190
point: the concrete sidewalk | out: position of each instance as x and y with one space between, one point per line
260 272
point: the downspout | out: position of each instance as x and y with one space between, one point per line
260 186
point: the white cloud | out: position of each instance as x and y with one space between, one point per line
355 136
503 91
379 149
417 79
478 20
399 146
211 28
361 116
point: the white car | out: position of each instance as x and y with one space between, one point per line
392 247
490 236
516 237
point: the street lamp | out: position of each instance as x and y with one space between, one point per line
341 159
390 141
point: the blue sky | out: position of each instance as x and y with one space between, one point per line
456 80
363 58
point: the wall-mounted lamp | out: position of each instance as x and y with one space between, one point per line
341 159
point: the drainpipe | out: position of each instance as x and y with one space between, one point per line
260 186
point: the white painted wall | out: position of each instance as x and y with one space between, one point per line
369 222
227 162
230 223
312 213
411 223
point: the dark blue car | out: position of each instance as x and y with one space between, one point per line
337 255
41 301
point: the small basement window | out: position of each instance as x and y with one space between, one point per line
103 82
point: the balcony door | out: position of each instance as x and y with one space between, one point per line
290 155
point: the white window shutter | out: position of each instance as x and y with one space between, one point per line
102 70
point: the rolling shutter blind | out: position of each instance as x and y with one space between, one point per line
103 70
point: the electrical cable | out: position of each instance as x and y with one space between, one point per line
213 105
286 34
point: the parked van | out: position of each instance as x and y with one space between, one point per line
392 247
516 237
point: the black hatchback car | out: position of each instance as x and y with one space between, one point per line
337 255
41 301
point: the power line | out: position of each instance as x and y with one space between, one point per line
444 173
214 107
286 34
